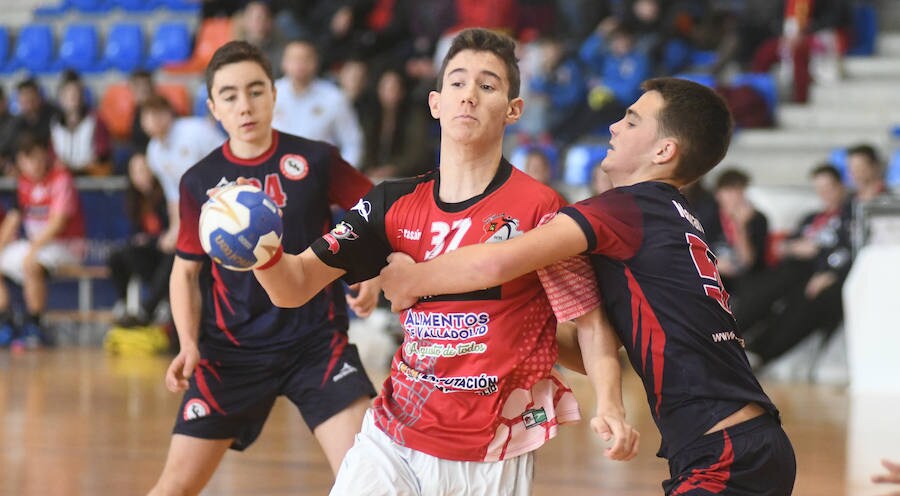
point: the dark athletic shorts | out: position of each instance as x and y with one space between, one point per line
227 400
751 458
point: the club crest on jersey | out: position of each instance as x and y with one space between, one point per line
364 208
340 231
500 227
294 167
195 408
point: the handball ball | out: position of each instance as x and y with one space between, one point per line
240 227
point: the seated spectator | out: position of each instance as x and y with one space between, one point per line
47 207
79 137
255 25
396 132
7 135
623 68
556 92
781 306
142 87
538 166
739 237
314 108
146 208
867 172
35 113
175 145
807 24
353 79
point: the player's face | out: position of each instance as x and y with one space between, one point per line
473 104
861 170
831 192
34 164
634 142
242 100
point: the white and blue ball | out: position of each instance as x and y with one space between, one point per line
240 227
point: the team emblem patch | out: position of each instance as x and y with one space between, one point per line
500 227
195 408
340 231
294 167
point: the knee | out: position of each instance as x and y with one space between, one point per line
33 270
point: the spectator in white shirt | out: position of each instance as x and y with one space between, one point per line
314 108
175 145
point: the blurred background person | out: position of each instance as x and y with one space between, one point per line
80 139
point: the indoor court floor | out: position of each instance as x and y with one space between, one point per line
77 421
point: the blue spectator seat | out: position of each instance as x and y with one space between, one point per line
580 162
677 56
90 6
136 6
4 48
34 49
838 158
182 5
51 10
79 48
893 170
762 82
200 96
698 77
704 58
124 49
171 43
865 30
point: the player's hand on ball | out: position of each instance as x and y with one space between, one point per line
240 227
394 279
625 439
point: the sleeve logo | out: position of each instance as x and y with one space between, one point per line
364 208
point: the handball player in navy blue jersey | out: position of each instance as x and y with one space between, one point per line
721 434
238 352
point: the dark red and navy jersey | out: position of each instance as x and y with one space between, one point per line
663 293
304 178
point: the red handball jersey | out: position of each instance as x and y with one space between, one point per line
473 379
54 193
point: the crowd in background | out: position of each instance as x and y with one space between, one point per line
356 73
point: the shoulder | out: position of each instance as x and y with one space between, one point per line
324 88
393 189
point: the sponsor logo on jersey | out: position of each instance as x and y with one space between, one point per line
482 384
364 208
342 231
412 235
294 167
346 370
446 326
222 183
683 212
534 417
195 408
719 337
443 350
500 227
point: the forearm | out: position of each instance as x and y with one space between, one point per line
55 225
9 227
599 351
185 300
295 279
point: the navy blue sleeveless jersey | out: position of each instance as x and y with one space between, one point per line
304 178
663 293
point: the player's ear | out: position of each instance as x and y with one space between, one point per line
211 107
434 104
514 110
667 150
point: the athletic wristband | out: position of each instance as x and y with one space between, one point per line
274 260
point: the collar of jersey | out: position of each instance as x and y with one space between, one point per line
266 155
503 173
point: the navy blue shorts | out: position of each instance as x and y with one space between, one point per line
228 400
751 458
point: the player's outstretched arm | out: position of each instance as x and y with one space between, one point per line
292 280
481 266
600 355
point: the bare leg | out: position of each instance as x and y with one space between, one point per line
336 434
35 288
189 466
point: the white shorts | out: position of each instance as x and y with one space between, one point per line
50 256
376 466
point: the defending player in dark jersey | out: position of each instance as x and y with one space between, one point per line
472 391
238 351
720 432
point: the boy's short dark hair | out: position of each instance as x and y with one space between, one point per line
28 142
157 102
827 169
141 74
28 84
232 53
483 40
870 153
698 118
732 178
